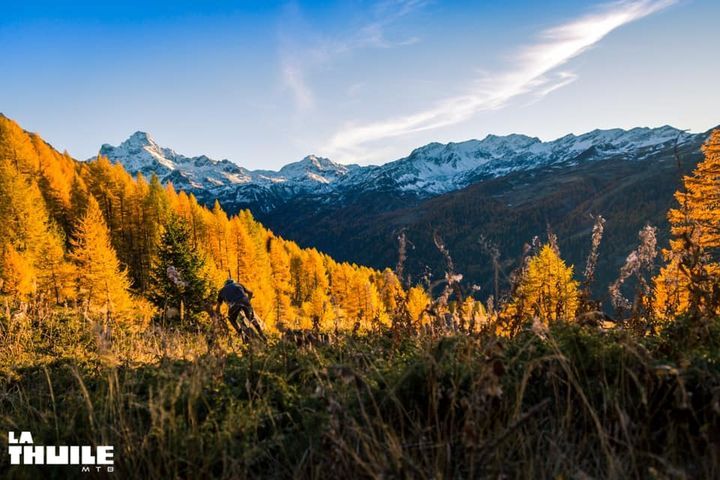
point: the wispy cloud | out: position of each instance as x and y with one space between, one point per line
533 72
294 79
302 49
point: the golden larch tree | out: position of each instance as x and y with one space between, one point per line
695 230
17 279
54 272
280 263
16 147
546 290
417 303
101 284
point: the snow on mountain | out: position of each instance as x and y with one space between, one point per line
429 170
141 154
438 168
310 171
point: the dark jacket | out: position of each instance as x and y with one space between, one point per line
233 293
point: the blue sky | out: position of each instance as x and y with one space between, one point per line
265 83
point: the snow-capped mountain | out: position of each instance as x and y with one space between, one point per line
429 170
439 168
141 154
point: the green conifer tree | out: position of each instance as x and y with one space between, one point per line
177 277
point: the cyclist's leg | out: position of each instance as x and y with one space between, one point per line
233 317
252 319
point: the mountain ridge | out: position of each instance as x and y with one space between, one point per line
432 169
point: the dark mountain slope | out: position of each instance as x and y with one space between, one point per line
509 211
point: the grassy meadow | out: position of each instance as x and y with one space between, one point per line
568 401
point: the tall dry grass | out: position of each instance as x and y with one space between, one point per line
560 402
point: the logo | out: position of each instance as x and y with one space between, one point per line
23 452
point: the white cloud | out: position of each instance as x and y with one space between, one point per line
293 78
531 73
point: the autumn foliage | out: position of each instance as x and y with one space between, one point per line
124 250
690 279
89 234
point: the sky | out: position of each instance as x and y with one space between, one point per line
265 83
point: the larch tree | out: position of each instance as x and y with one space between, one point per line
79 198
314 301
280 263
101 284
218 238
54 180
317 312
417 302
22 209
391 291
260 271
690 277
17 274
154 213
54 273
16 147
547 290
243 253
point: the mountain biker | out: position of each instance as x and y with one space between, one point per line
238 299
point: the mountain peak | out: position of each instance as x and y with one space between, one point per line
314 169
140 138
516 138
319 163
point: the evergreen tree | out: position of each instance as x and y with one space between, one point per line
178 279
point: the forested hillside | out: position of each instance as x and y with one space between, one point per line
89 234
502 213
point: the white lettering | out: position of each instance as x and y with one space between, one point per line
15 452
33 455
87 456
74 455
57 455
22 451
105 455
25 437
